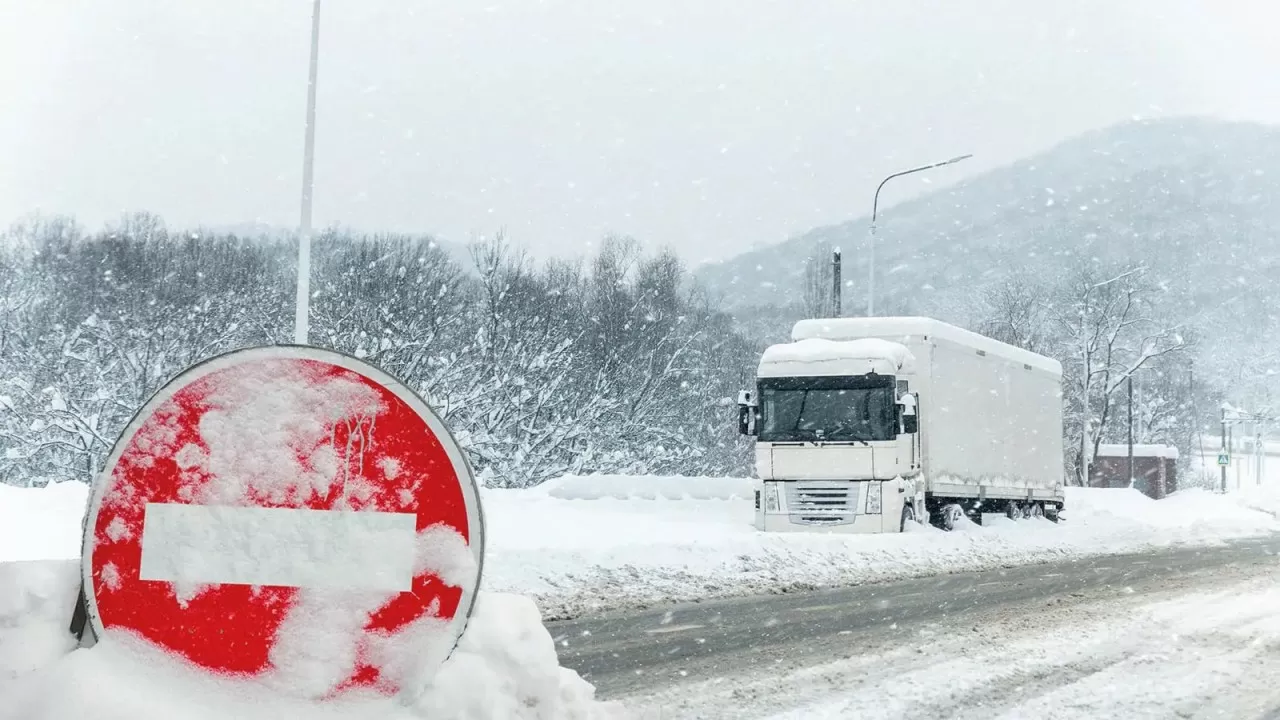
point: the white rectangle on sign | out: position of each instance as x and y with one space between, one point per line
206 544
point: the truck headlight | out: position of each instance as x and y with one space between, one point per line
771 502
873 498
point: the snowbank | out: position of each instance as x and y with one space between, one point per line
578 556
504 667
42 523
645 487
1262 498
36 602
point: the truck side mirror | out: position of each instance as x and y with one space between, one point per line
907 413
910 425
746 413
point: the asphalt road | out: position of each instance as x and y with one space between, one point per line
628 653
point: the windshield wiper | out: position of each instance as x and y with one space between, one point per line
800 414
852 436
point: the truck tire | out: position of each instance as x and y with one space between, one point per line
951 515
1013 510
908 515
1037 510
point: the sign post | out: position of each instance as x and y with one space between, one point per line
287 515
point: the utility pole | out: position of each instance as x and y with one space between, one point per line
836 289
1231 448
871 239
1131 477
1224 450
302 304
1259 451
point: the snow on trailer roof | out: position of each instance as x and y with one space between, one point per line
1160 451
903 327
818 356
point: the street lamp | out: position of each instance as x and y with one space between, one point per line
303 300
875 205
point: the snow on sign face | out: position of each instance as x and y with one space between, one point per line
291 516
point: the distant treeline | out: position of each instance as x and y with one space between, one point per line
618 362
615 363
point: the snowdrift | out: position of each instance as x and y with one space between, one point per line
645 487
36 601
42 523
588 544
504 667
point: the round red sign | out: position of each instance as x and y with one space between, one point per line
291 515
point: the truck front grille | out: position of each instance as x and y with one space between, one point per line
822 503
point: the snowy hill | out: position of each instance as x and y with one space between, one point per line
1196 200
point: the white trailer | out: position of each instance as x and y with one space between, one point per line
866 424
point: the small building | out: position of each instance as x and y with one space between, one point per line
1154 469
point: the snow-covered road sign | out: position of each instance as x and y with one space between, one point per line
290 515
1224 459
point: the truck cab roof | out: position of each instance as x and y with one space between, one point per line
822 357
906 328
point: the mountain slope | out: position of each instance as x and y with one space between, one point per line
1197 201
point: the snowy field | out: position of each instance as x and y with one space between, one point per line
587 544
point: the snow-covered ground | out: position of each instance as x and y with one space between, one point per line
583 544
607 542
504 667
1207 648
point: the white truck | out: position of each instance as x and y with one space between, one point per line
866 424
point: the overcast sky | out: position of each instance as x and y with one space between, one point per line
709 125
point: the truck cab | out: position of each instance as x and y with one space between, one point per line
836 436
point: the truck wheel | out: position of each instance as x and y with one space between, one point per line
1013 510
951 515
1037 510
908 515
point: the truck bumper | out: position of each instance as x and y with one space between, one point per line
834 506
783 522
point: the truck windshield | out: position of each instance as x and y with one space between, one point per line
828 409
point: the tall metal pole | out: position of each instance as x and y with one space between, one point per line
303 300
1224 450
1258 452
1231 449
1131 477
871 239
871 261
835 284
